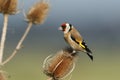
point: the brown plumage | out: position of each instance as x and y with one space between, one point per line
76 35
74 39
74 44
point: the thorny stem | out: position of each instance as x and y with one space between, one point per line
18 47
3 37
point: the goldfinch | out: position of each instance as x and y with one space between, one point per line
74 39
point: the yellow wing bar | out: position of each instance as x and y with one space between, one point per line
83 46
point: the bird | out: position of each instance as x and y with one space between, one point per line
74 39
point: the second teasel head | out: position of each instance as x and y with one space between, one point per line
38 13
60 65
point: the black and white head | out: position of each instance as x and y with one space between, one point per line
66 27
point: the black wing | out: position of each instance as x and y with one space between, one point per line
86 47
89 52
74 40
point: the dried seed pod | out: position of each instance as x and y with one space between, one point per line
38 12
60 65
1 3
9 6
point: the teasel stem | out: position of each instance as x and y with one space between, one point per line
19 45
3 37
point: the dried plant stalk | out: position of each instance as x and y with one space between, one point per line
9 6
3 38
60 65
6 7
19 44
38 13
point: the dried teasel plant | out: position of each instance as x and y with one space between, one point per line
1 2
60 65
7 7
36 15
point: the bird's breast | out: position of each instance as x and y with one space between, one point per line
72 43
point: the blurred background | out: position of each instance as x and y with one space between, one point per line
98 22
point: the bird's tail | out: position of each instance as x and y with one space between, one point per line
90 55
86 49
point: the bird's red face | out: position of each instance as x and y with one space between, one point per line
65 27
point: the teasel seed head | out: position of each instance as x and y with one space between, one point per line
8 6
38 12
60 65
1 3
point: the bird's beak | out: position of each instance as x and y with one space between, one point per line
59 28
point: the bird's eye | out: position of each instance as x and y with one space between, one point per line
63 28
